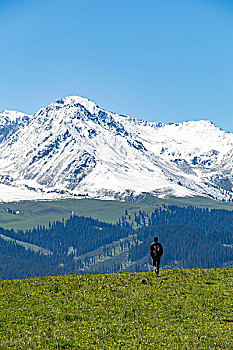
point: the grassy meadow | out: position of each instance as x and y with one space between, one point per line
34 213
179 309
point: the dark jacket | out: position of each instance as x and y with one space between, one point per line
156 250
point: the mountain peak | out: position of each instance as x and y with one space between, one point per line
74 148
11 115
10 122
74 100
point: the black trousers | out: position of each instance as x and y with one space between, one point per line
156 263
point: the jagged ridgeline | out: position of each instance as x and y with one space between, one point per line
191 237
73 148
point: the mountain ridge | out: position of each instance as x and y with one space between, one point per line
74 148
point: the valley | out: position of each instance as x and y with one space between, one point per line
84 190
84 243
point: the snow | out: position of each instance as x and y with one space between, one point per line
12 116
73 100
11 194
74 148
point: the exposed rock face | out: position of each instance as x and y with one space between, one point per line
74 148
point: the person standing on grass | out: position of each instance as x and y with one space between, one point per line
156 251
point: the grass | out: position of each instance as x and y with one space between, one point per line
34 213
180 309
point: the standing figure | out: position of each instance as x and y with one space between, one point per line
156 251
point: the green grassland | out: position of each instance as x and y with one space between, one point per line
34 213
179 309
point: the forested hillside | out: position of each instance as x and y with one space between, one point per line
191 237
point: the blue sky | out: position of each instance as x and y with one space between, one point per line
160 60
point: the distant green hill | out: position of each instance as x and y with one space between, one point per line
179 309
28 214
33 213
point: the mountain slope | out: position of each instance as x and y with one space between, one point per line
74 148
10 122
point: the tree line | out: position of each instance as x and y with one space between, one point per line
192 237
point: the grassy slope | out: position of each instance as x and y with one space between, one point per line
180 309
33 213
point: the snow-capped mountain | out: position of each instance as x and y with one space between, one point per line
74 148
10 121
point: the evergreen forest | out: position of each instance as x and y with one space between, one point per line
191 237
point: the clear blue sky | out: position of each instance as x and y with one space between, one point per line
160 60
